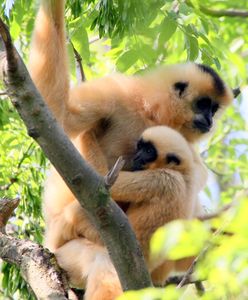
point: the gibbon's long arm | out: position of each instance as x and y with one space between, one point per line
48 62
136 186
144 185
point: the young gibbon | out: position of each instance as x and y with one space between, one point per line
115 110
166 178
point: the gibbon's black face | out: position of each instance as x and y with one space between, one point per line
204 109
147 153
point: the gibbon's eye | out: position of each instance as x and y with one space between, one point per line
172 158
215 107
181 87
149 151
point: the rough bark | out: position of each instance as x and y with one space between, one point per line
38 266
87 186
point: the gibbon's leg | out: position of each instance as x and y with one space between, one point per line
48 63
65 218
72 223
89 265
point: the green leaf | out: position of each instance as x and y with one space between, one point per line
168 28
192 48
127 60
179 239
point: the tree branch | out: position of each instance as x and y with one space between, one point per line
113 174
38 266
220 13
7 207
217 213
87 185
79 66
189 280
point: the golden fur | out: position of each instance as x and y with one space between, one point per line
114 111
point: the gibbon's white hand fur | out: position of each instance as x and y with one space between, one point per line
115 110
163 185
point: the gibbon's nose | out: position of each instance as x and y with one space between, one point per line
138 162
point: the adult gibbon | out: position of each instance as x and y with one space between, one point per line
173 177
115 110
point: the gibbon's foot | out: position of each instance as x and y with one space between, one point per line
102 282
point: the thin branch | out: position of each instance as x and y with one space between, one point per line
79 66
113 174
14 178
224 13
84 182
94 39
7 186
178 279
189 280
217 213
187 275
220 13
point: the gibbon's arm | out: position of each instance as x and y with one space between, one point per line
89 148
48 63
144 185
132 186
92 102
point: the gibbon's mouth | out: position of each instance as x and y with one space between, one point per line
137 167
203 128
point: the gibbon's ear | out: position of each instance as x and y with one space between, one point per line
180 86
172 158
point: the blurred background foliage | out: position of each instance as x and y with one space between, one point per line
130 36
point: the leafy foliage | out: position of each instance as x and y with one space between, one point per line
131 36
